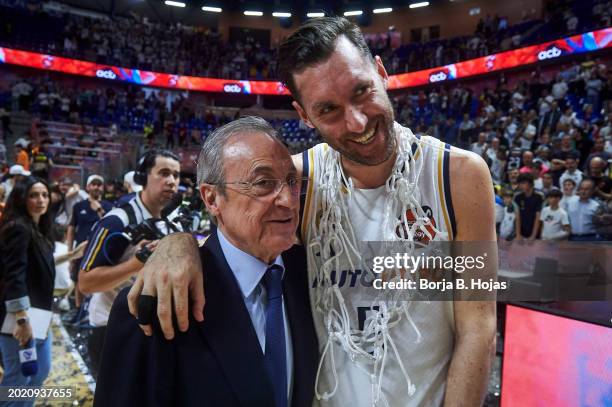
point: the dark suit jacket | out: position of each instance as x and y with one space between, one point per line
217 362
28 268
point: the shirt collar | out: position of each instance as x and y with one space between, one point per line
145 212
247 269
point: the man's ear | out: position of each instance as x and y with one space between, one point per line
302 114
380 68
210 196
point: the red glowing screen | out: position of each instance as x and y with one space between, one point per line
555 361
586 42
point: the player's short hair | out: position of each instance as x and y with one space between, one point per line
313 43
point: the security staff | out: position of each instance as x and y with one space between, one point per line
111 260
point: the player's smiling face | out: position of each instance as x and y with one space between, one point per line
345 99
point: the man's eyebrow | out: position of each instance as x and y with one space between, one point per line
321 105
168 169
361 85
268 169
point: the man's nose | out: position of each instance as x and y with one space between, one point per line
356 120
286 197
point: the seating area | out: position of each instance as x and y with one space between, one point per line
130 41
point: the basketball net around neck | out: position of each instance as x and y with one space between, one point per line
332 236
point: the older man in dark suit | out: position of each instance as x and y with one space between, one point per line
257 344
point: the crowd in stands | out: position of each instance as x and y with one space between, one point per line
134 42
127 108
554 129
542 139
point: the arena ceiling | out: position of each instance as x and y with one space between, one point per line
193 15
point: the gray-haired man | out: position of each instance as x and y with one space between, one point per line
257 346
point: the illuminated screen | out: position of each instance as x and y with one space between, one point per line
576 44
555 361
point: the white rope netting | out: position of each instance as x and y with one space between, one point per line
333 237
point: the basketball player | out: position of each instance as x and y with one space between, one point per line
370 180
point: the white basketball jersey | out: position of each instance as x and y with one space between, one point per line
424 352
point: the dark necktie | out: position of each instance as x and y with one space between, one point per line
275 355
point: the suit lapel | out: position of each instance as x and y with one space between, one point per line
228 330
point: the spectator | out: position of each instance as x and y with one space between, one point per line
512 176
546 183
62 286
16 174
572 171
598 150
71 194
41 162
593 87
603 184
22 158
530 204
87 212
555 222
28 277
85 215
480 146
110 193
131 188
581 209
527 160
507 227
568 188
466 129
559 89
551 118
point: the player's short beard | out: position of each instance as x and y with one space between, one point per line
387 121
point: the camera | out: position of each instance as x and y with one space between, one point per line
147 230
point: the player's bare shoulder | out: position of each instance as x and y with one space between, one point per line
464 163
472 195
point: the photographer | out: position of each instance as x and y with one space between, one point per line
121 241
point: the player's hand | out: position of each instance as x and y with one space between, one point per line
173 274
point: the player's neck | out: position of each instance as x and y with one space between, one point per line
369 176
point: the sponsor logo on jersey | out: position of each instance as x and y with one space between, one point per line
421 234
